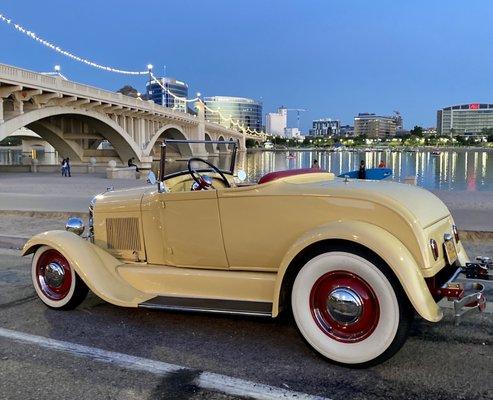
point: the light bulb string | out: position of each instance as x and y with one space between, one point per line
68 54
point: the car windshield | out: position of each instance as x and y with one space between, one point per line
175 154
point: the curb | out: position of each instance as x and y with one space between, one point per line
44 214
12 242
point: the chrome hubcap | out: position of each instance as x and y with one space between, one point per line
54 274
344 305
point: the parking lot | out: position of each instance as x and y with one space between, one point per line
213 354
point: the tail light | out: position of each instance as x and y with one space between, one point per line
434 248
456 233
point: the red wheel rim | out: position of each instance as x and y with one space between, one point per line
363 311
57 287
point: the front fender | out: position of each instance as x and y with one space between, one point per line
95 266
381 242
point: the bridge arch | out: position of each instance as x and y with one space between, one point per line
169 131
221 147
124 145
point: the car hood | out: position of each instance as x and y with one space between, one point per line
416 203
121 200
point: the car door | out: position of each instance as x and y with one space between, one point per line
191 229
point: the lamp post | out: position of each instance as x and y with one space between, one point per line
149 69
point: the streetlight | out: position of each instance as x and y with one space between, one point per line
57 68
149 69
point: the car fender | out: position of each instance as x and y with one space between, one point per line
96 267
381 242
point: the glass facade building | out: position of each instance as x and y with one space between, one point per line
325 127
465 119
160 96
245 111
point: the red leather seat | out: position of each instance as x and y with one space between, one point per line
272 176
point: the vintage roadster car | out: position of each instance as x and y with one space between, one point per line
353 260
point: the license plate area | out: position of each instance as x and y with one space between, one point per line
450 251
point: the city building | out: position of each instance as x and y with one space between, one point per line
346 131
247 112
292 133
465 119
275 123
160 96
325 127
375 126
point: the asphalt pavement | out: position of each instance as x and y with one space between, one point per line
439 361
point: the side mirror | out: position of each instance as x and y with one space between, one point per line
241 175
151 178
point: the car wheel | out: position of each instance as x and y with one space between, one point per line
55 281
349 310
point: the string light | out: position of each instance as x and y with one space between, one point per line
68 54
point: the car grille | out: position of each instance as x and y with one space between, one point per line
123 233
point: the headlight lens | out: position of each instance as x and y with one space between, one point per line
75 225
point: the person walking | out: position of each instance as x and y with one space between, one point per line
315 164
67 169
362 170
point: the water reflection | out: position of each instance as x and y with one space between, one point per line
450 170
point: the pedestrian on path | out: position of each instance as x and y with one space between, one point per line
362 170
68 167
64 167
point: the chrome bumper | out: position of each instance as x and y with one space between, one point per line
467 296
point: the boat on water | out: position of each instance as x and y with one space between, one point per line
375 174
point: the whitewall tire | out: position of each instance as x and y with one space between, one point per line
55 281
348 310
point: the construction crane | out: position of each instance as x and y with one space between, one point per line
298 111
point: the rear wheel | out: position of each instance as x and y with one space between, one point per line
55 281
349 310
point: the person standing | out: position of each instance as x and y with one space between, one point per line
362 170
67 169
382 164
315 164
132 164
64 167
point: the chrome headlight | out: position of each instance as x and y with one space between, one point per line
75 225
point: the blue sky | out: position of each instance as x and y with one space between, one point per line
334 58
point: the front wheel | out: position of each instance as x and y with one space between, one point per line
349 310
55 281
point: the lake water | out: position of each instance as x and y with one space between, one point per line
451 170
459 169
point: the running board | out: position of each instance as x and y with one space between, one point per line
218 306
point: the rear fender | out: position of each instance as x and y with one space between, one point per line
381 242
96 267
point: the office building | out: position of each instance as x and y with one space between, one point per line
465 119
346 131
275 123
325 127
160 96
247 112
374 126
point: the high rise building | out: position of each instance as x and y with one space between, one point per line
160 96
325 127
465 119
374 126
276 123
247 112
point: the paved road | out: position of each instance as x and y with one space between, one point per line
439 361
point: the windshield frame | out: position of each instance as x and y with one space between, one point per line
162 161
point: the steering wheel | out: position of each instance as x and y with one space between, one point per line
204 182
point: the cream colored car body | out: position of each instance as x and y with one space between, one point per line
237 243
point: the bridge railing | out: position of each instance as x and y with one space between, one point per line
19 76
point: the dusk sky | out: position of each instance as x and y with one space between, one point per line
334 58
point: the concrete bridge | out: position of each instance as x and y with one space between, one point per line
75 119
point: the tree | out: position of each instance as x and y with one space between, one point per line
128 90
490 138
417 131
